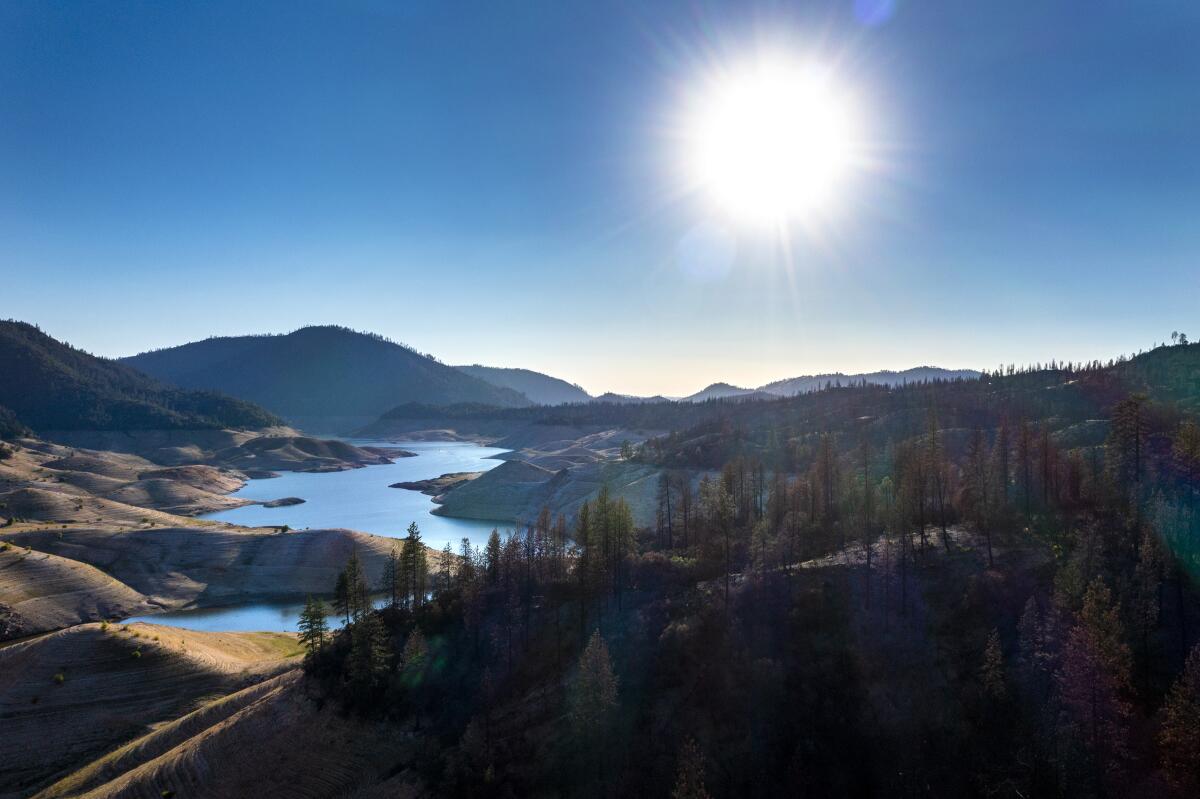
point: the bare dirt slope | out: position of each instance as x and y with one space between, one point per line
41 592
298 750
70 696
214 564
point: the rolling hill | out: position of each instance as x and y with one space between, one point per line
539 388
328 379
48 385
726 391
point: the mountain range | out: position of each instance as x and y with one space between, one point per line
325 379
542 389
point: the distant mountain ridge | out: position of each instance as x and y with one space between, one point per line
803 384
328 378
725 391
49 385
539 388
886 377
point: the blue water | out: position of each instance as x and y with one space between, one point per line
359 499
253 617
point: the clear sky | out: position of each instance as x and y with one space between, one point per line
498 182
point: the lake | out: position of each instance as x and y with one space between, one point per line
251 617
360 499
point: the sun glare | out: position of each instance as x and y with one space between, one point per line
772 143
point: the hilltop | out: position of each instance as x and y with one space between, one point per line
49 385
725 391
540 388
328 379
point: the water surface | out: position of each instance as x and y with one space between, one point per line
360 499
252 617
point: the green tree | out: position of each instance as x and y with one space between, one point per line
416 566
313 626
491 557
341 596
689 777
593 695
370 655
991 674
1179 738
357 594
413 661
393 577
447 567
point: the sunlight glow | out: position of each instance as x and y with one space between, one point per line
773 142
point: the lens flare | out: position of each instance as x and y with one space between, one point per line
772 142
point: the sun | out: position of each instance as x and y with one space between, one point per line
772 142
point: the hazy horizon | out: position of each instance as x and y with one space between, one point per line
687 384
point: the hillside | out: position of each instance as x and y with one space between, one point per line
725 391
327 379
70 696
918 374
49 385
539 388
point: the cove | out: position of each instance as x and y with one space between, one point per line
359 499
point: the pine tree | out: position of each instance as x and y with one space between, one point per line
341 596
1101 617
991 674
357 596
976 494
1001 471
313 626
1147 577
413 667
415 567
447 567
370 654
1095 675
1179 738
1031 632
392 577
689 778
593 694
491 558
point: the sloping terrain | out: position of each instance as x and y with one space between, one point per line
70 696
724 391
517 490
297 453
222 749
214 564
50 385
54 503
40 592
320 377
537 387
266 740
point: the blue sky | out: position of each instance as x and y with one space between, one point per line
497 182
